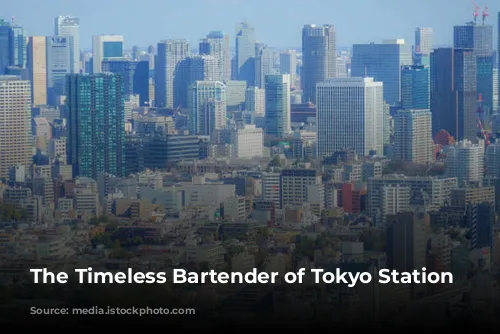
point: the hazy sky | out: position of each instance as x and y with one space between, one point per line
277 22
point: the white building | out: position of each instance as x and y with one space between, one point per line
255 101
413 136
247 142
271 185
394 199
465 161
295 184
105 47
350 116
69 26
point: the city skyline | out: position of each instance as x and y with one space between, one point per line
193 26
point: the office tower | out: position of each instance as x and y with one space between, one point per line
207 106
135 76
255 101
413 136
288 64
492 160
69 27
6 53
481 221
245 53
415 87
382 62
37 68
479 38
465 161
498 51
453 92
105 47
423 45
135 52
406 242
18 46
190 70
15 127
96 126
264 64
217 44
319 56
278 108
350 116
58 65
170 53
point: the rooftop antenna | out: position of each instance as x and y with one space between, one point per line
485 14
476 11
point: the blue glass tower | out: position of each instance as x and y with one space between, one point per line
415 87
96 124
135 76
6 51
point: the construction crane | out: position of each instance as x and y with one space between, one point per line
485 14
480 111
476 11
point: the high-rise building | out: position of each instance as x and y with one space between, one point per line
465 161
58 65
413 136
479 38
383 63
18 46
105 47
288 64
350 116
245 53
453 92
319 56
170 54
15 124
298 185
190 70
255 101
96 124
207 105
424 40
69 27
135 76
6 53
37 69
415 87
217 44
278 107
264 64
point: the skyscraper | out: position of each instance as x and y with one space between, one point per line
423 45
319 56
217 44
382 62
413 136
37 69
6 52
264 61
278 107
105 47
58 65
170 53
479 38
350 116
245 53
18 46
135 76
15 127
288 64
69 27
207 105
415 87
453 92
96 124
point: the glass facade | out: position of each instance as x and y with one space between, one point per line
135 76
96 124
112 49
415 87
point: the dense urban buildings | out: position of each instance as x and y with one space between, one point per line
225 152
